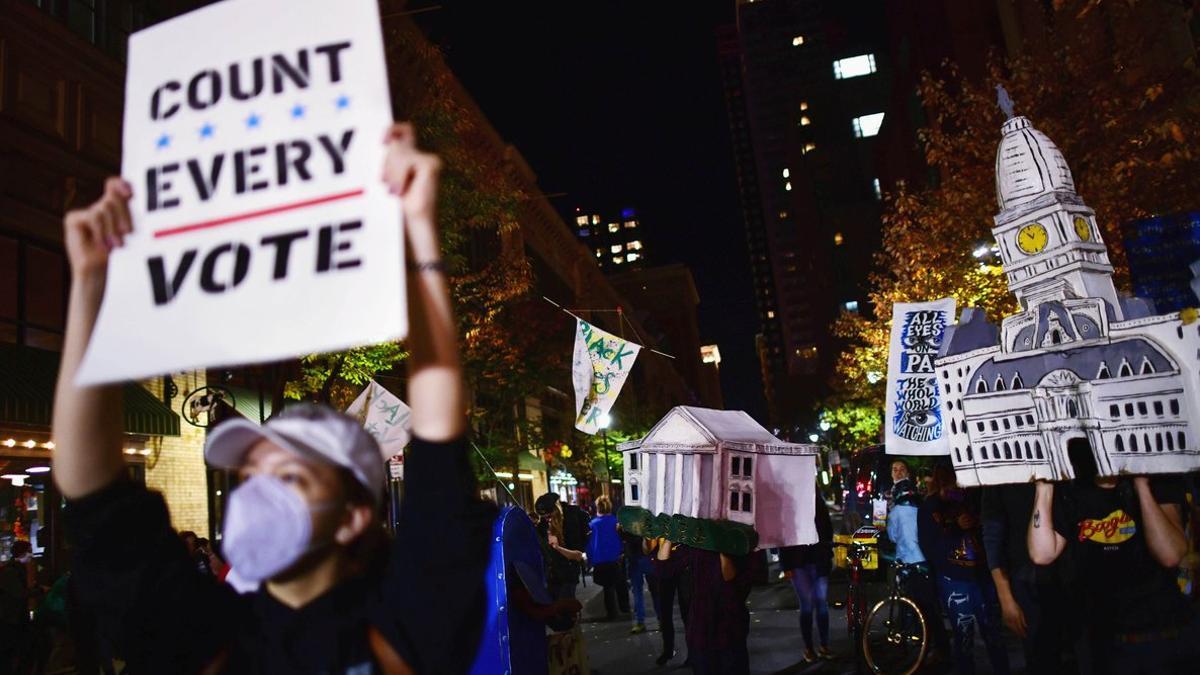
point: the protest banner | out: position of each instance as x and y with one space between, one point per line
385 417
262 230
913 412
602 362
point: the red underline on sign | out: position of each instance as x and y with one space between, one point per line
249 215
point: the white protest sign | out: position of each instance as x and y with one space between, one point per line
385 417
252 140
914 411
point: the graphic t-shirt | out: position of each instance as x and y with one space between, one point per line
1127 589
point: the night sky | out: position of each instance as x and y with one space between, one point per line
619 103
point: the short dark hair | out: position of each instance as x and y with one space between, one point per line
20 548
907 468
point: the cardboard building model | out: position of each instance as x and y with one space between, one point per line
721 465
1078 367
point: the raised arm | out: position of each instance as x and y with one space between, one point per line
435 386
87 420
1164 527
1045 544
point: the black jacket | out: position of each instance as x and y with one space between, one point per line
162 616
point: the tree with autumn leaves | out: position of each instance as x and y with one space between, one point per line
1126 119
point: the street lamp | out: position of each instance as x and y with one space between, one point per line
603 422
814 438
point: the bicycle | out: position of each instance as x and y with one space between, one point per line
895 635
859 554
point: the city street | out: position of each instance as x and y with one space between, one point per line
775 642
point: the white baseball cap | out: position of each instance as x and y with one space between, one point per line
312 431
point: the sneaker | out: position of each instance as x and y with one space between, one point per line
809 656
824 653
637 628
662 660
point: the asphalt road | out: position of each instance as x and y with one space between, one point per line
775 643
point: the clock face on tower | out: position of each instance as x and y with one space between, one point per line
1082 229
1032 238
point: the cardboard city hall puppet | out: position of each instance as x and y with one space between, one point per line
719 481
1079 367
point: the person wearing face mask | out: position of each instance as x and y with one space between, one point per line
302 529
14 608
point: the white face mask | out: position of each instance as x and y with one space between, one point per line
268 528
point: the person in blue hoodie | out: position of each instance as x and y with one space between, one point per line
604 554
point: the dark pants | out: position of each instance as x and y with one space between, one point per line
729 661
641 570
611 576
923 591
972 606
1048 622
1176 653
668 588
812 590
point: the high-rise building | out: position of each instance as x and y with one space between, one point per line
807 86
614 237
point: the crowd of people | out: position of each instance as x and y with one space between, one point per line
1083 572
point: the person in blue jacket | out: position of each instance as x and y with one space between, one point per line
604 553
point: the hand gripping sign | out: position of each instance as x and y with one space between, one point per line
261 227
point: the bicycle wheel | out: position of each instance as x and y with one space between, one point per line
895 637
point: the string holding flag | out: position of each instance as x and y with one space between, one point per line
601 364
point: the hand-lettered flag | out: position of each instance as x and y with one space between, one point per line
385 417
602 362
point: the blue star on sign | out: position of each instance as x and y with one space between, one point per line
252 121
206 131
163 141
343 102
297 111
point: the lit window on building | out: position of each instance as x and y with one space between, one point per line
854 66
838 239
809 147
782 215
599 253
595 220
771 314
803 106
807 353
614 227
710 354
804 121
851 306
581 220
616 248
877 188
787 173
867 125
798 40
635 245
618 259
788 186
633 257
630 224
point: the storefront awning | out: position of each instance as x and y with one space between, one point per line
527 462
245 401
27 379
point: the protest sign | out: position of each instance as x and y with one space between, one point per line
252 141
914 412
385 417
602 362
